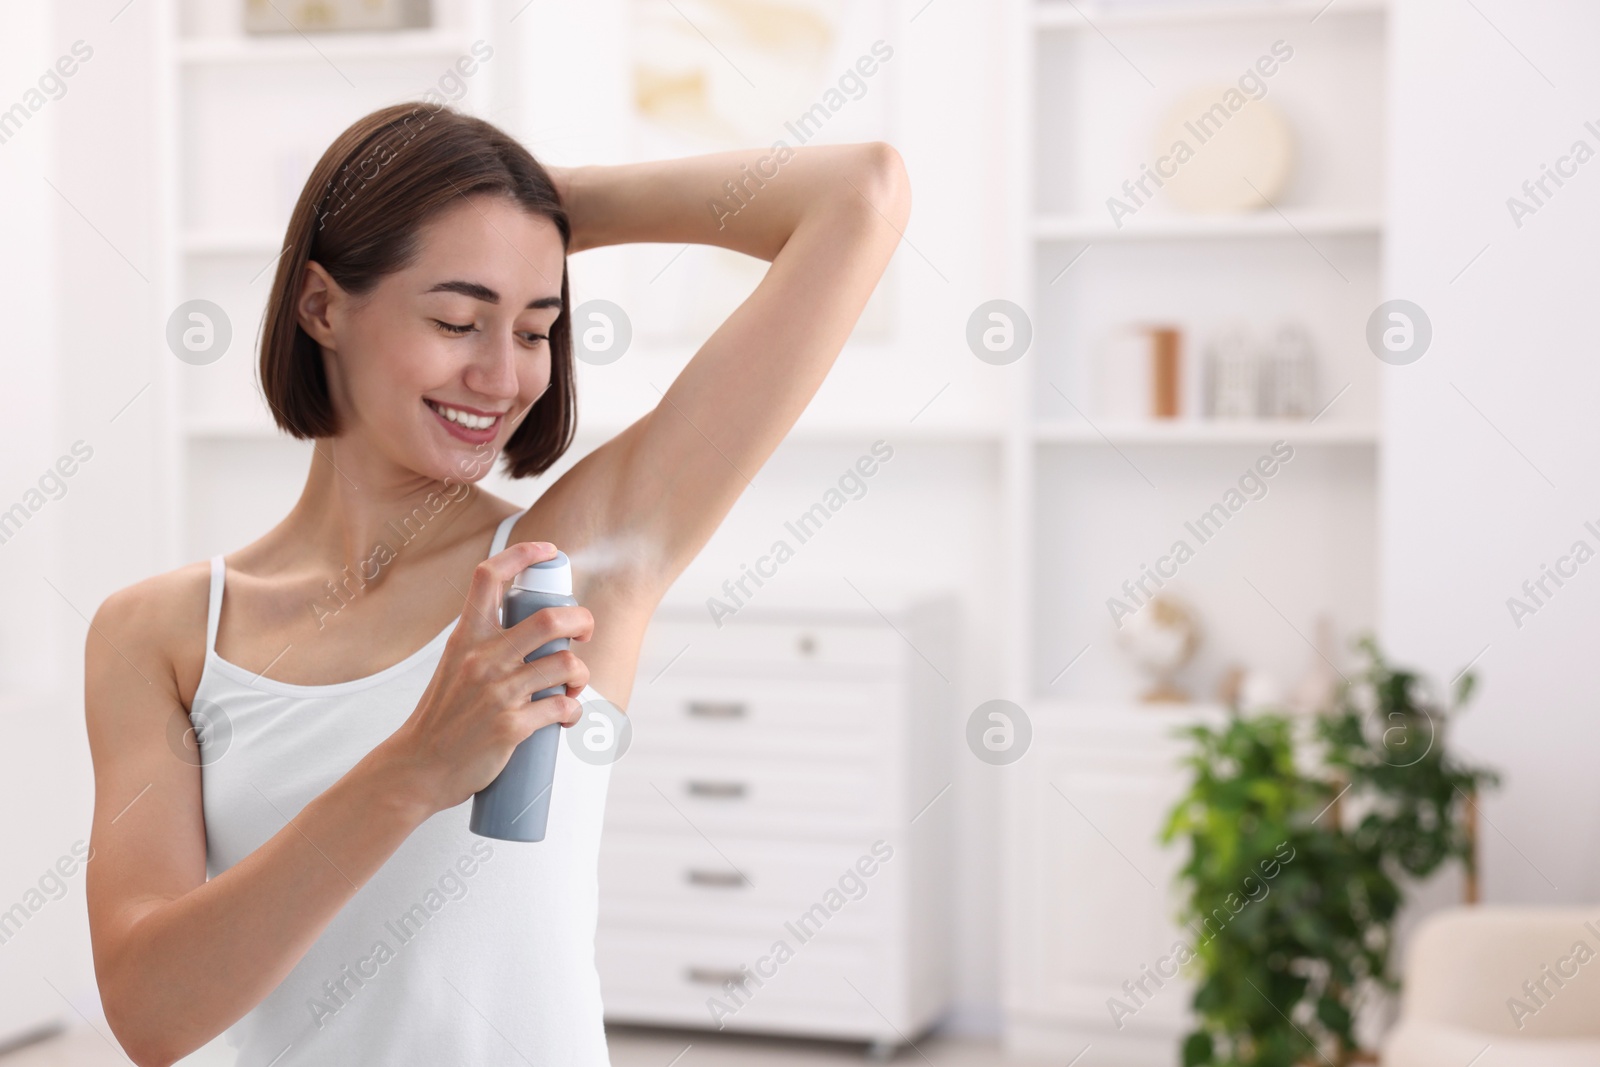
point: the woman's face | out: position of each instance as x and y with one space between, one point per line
438 365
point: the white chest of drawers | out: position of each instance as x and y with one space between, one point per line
776 855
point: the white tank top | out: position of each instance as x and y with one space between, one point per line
460 949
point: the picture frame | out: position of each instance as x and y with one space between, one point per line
324 16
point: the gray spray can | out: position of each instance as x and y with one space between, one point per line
516 805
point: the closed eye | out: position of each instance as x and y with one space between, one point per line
456 330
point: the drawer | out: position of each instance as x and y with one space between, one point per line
827 719
755 797
681 880
686 648
648 975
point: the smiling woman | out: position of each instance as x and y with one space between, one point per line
412 335
474 204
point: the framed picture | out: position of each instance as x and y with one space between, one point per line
714 75
306 16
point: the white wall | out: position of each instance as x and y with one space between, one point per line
1488 465
27 277
33 441
79 270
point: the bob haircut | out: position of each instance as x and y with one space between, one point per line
359 216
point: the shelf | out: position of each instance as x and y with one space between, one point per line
1129 708
1208 227
323 47
1195 432
1060 15
848 433
232 430
1075 432
591 430
1090 723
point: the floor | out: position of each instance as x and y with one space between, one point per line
85 1047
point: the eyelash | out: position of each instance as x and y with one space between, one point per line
461 331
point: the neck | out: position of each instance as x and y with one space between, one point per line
358 510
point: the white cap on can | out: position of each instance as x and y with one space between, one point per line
550 576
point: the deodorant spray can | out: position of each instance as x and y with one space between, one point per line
516 805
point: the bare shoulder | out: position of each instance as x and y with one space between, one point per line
153 632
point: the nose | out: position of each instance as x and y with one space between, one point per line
493 370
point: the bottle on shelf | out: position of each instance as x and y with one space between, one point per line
1232 379
1289 369
1139 373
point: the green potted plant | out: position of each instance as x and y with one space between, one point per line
1293 912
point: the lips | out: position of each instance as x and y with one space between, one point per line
466 424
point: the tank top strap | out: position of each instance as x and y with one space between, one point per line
503 534
214 605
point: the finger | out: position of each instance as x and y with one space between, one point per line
559 620
572 714
559 668
556 709
489 578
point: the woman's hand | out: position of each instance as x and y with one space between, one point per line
476 708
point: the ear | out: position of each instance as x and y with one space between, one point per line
319 304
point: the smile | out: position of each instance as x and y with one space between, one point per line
467 425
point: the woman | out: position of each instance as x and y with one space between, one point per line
350 684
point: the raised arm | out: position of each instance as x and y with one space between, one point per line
827 218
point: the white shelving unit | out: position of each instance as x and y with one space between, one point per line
230 51
1197 432
1096 499
1091 83
1202 227
1060 15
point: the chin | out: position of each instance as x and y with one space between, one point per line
468 464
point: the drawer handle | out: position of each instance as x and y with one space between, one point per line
716 976
718 879
719 790
718 709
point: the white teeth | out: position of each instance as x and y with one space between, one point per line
463 418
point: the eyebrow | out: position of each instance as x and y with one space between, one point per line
479 291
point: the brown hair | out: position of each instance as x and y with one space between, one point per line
359 215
